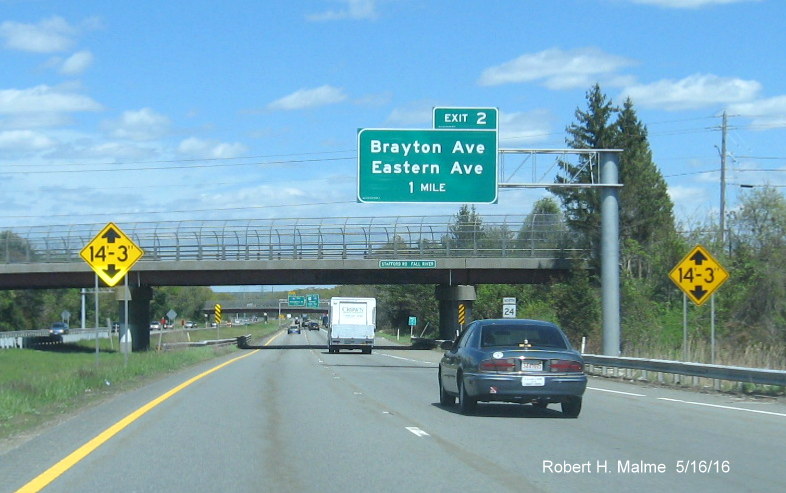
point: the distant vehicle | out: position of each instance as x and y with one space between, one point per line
313 325
58 328
191 325
325 321
352 324
293 329
155 325
512 360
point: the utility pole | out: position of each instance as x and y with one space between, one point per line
723 181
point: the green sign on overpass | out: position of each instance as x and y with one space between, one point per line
427 165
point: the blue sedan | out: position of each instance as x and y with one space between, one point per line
512 360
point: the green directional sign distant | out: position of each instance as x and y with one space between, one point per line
427 165
312 300
469 118
296 300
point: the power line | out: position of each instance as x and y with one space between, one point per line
212 209
174 168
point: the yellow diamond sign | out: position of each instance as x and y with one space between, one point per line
698 275
111 254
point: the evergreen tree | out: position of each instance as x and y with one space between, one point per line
466 232
646 210
543 228
593 129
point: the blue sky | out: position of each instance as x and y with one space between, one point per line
148 110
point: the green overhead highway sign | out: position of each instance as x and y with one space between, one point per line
466 118
427 165
312 300
296 300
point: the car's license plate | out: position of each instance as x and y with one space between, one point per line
531 365
527 381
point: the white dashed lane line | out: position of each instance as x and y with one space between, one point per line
417 431
692 403
616 392
718 406
424 363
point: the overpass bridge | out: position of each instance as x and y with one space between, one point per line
504 249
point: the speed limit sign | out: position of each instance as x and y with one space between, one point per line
508 307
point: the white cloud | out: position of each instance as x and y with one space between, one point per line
692 92
354 9
24 140
688 4
48 36
524 128
140 125
689 201
764 113
309 98
87 148
412 115
35 120
44 99
557 69
76 63
199 148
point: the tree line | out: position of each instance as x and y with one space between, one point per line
750 307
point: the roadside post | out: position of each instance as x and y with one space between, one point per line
698 275
111 254
217 318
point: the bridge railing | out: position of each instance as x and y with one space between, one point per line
539 236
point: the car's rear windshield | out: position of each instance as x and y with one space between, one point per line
522 336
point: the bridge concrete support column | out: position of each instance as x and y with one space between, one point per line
138 317
455 308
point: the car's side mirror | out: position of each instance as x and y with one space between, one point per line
446 345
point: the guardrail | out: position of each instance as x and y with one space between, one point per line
714 372
213 342
29 338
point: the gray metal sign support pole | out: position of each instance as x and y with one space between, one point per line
610 252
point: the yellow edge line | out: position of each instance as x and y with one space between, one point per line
46 477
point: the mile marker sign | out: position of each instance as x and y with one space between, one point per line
111 254
698 275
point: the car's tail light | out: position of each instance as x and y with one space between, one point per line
502 364
563 365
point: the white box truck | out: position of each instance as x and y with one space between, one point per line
352 324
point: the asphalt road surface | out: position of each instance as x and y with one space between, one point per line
306 420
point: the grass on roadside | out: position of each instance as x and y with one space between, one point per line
36 386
